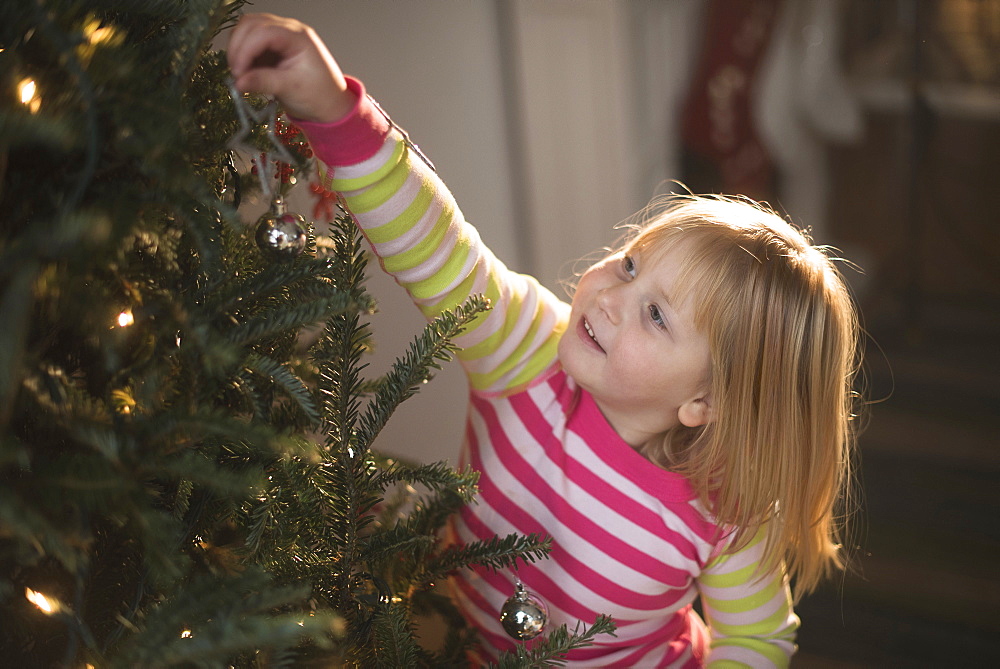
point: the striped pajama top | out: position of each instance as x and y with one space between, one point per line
629 539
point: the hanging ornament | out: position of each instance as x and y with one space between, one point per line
250 118
524 615
326 201
281 234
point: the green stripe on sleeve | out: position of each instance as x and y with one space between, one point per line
389 231
346 185
493 342
438 282
363 201
748 603
487 379
538 362
729 579
429 245
760 628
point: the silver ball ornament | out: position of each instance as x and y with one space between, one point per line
281 234
524 615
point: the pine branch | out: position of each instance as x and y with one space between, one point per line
390 544
24 524
344 340
426 352
182 498
494 553
199 469
15 310
435 476
394 642
70 60
551 651
267 282
287 381
432 513
212 620
261 520
180 426
276 321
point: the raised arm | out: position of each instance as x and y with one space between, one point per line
409 216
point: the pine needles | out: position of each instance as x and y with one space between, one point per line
180 483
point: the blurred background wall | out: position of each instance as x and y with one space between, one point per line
874 123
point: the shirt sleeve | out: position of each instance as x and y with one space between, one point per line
749 615
421 238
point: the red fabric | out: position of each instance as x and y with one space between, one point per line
717 126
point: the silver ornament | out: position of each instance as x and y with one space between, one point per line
281 234
524 615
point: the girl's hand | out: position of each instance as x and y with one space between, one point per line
286 59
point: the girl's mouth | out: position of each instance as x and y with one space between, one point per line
589 331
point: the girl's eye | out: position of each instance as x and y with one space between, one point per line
629 266
656 316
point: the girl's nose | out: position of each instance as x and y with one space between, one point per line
609 301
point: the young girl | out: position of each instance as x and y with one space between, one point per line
680 430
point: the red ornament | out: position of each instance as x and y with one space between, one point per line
325 201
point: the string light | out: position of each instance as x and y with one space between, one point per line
44 604
186 634
125 319
97 34
27 91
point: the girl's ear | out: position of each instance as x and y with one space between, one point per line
696 412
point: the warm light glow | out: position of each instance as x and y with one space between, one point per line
96 36
27 91
125 319
186 634
101 35
46 605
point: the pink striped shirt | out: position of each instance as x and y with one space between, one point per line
630 539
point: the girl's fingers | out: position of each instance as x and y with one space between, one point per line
284 58
262 41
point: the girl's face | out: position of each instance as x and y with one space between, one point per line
632 343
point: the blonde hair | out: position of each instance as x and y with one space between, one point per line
783 335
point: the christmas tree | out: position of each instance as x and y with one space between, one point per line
186 471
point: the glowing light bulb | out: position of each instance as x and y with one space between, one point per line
186 634
103 35
46 605
125 319
27 91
